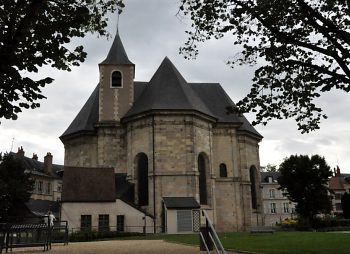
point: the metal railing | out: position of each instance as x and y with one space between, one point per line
31 232
209 237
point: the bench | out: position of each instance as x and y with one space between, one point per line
262 229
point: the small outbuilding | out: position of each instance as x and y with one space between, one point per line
182 215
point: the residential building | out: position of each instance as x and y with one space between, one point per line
338 184
276 205
48 183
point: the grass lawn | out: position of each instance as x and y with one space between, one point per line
279 242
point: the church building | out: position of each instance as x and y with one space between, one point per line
147 156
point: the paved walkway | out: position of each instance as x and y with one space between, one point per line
116 247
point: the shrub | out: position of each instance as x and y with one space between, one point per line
86 235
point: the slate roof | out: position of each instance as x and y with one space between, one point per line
41 207
265 176
124 190
88 185
167 90
87 117
117 54
180 202
37 167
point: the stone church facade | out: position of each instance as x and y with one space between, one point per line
169 138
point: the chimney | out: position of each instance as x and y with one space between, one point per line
35 157
48 163
20 151
338 171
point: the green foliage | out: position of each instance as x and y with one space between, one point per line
271 168
305 180
37 33
345 203
15 185
304 46
87 236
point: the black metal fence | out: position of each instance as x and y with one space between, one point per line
32 232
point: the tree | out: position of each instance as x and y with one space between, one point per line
305 180
303 45
345 204
270 168
15 185
36 33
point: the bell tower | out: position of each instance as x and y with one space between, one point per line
116 87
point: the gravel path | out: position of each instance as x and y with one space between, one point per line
116 247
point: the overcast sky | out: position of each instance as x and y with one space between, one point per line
150 31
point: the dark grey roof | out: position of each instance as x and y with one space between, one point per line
117 54
266 175
87 117
41 207
217 101
180 202
38 168
124 189
84 185
167 90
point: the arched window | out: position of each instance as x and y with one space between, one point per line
223 170
142 179
252 174
116 80
203 197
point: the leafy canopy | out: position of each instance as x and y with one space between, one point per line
305 179
15 185
304 47
37 32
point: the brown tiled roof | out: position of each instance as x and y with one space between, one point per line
336 183
88 185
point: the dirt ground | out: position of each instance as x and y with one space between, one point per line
116 247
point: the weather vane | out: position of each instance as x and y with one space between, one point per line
119 12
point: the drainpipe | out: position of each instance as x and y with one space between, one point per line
154 178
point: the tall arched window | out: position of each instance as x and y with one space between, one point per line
142 179
116 79
252 174
203 197
223 170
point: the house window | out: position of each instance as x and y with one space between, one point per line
116 79
338 207
120 223
286 207
59 188
223 170
272 207
272 193
184 220
48 189
338 196
103 222
40 186
85 222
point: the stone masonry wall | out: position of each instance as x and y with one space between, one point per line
81 151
